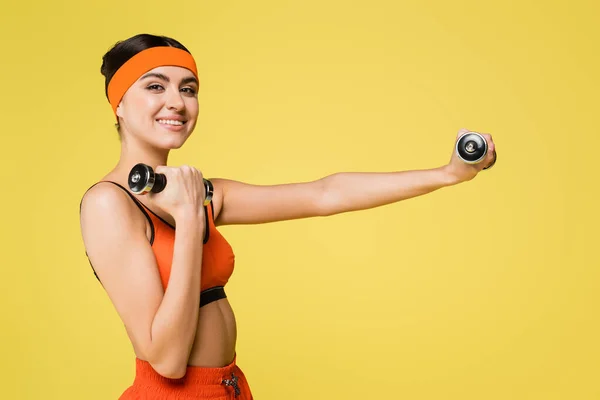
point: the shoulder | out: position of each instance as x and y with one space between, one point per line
104 196
106 203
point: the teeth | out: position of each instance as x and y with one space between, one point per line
170 122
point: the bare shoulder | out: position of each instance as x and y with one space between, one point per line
107 202
103 194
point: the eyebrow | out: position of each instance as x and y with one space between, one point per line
166 78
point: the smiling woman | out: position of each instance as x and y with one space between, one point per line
162 243
160 257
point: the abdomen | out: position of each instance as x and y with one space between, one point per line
214 345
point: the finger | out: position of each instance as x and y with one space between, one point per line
491 163
490 142
187 171
161 169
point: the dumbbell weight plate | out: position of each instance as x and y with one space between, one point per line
471 147
141 179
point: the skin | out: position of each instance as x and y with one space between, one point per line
145 140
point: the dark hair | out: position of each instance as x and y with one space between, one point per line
125 49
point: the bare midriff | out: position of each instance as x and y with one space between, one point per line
214 344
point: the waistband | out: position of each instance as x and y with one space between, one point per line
197 375
198 381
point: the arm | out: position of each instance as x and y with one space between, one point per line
241 203
244 203
161 324
175 323
353 191
359 191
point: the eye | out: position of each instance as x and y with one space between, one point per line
189 90
154 87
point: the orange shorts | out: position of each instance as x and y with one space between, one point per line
207 383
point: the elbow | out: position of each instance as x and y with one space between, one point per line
170 370
169 365
173 373
326 200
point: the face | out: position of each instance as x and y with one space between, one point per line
161 107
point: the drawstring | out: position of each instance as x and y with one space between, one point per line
232 382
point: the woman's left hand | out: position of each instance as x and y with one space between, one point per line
463 172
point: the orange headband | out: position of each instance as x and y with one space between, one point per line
143 62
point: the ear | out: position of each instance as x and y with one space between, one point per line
119 110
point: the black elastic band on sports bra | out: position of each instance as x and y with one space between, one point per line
212 294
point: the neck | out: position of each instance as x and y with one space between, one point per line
133 153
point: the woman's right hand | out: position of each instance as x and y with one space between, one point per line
184 192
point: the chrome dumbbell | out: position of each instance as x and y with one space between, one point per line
471 147
142 180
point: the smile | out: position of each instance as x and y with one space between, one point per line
170 122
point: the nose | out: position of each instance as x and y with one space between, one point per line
174 101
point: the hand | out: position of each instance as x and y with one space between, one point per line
462 171
183 193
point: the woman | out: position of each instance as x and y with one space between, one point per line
161 259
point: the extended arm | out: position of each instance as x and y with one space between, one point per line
243 203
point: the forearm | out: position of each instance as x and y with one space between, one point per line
352 191
175 323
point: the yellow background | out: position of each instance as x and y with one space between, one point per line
486 290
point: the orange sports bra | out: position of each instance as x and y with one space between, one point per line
218 258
